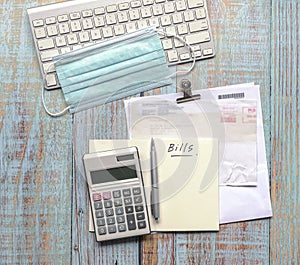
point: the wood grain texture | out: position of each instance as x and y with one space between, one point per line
285 184
35 173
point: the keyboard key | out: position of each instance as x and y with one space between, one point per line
188 16
111 8
140 216
51 80
87 23
121 219
40 33
184 56
141 24
108 203
131 222
75 15
111 19
167 44
118 202
180 5
38 23
95 34
106 195
109 212
136 191
98 205
63 28
138 199
110 220
198 25
72 39
197 37
63 18
52 31
128 201
124 6
122 17
117 194
147 2
45 44
99 21
60 41
207 52
165 20
172 56
75 25
119 30
134 14
177 18
99 214
139 208
146 12
182 29
50 20
48 55
107 32
195 3
135 4
157 10
200 13
119 211
84 36
129 209
169 8
87 13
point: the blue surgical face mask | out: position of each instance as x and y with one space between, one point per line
112 70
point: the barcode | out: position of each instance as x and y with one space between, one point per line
232 95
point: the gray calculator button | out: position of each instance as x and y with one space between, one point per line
109 212
140 216
122 227
100 222
118 202
141 224
136 191
128 201
129 209
99 214
138 199
112 229
127 192
111 220
108 204
131 222
121 219
139 208
101 230
119 211
117 194
98 205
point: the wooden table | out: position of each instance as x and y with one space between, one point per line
43 210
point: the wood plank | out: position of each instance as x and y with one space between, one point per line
35 173
285 185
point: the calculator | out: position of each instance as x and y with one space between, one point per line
117 194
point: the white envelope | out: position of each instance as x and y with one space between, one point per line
236 203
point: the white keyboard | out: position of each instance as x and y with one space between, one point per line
62 27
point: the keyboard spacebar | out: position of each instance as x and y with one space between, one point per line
197 38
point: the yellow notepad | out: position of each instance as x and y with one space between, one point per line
188 181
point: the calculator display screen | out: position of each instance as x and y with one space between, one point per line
113 174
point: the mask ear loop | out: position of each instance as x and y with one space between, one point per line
44 103
188 45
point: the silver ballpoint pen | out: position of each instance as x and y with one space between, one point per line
154 183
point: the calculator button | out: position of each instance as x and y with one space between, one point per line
141 224
122 227
102 231
138 199
99 214
131 222
129 209
128 201
139 208
127 192
98 205
112 229
117 194
109 212
120 219
119 211
118 202
96 197
106 195
100 222
110 220
136 191
140 216
108 204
